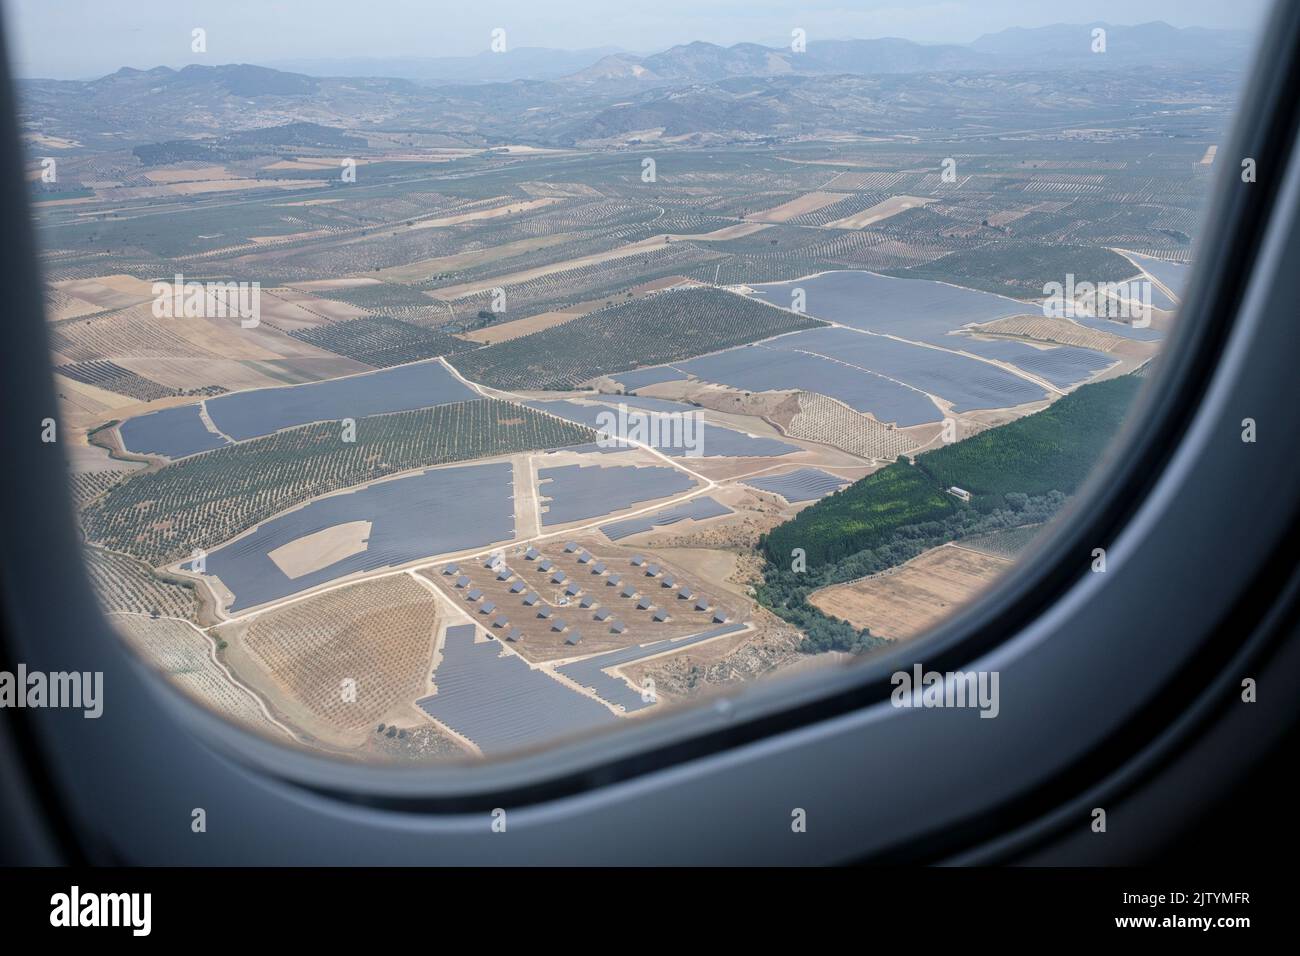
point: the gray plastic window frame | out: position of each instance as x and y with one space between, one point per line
881 778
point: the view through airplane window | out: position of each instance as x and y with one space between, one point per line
436 407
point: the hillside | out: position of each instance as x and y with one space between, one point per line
1052 450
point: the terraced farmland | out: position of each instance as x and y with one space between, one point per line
204 500
667 327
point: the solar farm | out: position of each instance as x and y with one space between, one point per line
517 430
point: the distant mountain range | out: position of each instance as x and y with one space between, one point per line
524 63
1063 45
694 93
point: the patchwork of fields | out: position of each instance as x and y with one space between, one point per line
786 337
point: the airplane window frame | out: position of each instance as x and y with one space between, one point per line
1158 432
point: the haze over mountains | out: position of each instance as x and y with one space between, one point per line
692 93
1014 48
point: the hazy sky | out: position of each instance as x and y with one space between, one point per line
86 38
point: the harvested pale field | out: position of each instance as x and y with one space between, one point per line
739 231
318 550
348 282
109 292
506 331
196 174
288 237
88 459
50 142
376 636
828 422
80 201
127 333
808 202
185 656
423 268
640 247
314 162
667 282
81 403
515 207
231 374
331 310
172 190
906 601
224 338
60 305
1007 216
879 212
448 293
1060 331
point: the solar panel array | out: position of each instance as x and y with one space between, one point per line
590 672
499 702
429 512
574 492
697 509
806 484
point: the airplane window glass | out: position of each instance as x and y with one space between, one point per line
447 393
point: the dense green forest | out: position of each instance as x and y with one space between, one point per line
860 516
1052 450
1019 473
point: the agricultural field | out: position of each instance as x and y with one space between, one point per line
382 341
906 601
837 274
663 328
829 422
377 634
115 378
184 655
161 516
125 584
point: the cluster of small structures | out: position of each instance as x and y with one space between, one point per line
640 597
